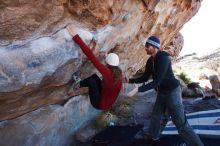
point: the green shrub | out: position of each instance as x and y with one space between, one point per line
105 118
184 77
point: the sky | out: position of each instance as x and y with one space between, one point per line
202 33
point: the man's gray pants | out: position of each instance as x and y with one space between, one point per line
170 103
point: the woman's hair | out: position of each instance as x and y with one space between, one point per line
117 72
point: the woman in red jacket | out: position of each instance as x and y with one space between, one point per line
103 93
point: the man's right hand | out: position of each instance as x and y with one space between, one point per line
133 91
125 79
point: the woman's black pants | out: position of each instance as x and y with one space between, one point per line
94 84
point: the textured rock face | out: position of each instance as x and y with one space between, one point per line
176 45
38 56
21 19
52 125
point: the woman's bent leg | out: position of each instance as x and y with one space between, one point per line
94 84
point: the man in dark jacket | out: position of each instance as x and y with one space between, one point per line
169 99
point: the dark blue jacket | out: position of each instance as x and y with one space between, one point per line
161 70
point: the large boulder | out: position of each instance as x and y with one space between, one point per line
37 54
52 125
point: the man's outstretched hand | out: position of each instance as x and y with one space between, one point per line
134 91
125 79
71 29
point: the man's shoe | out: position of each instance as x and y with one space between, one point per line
152 142
156 143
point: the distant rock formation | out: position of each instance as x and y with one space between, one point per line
215 81
202 70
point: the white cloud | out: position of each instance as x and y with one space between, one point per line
201 33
